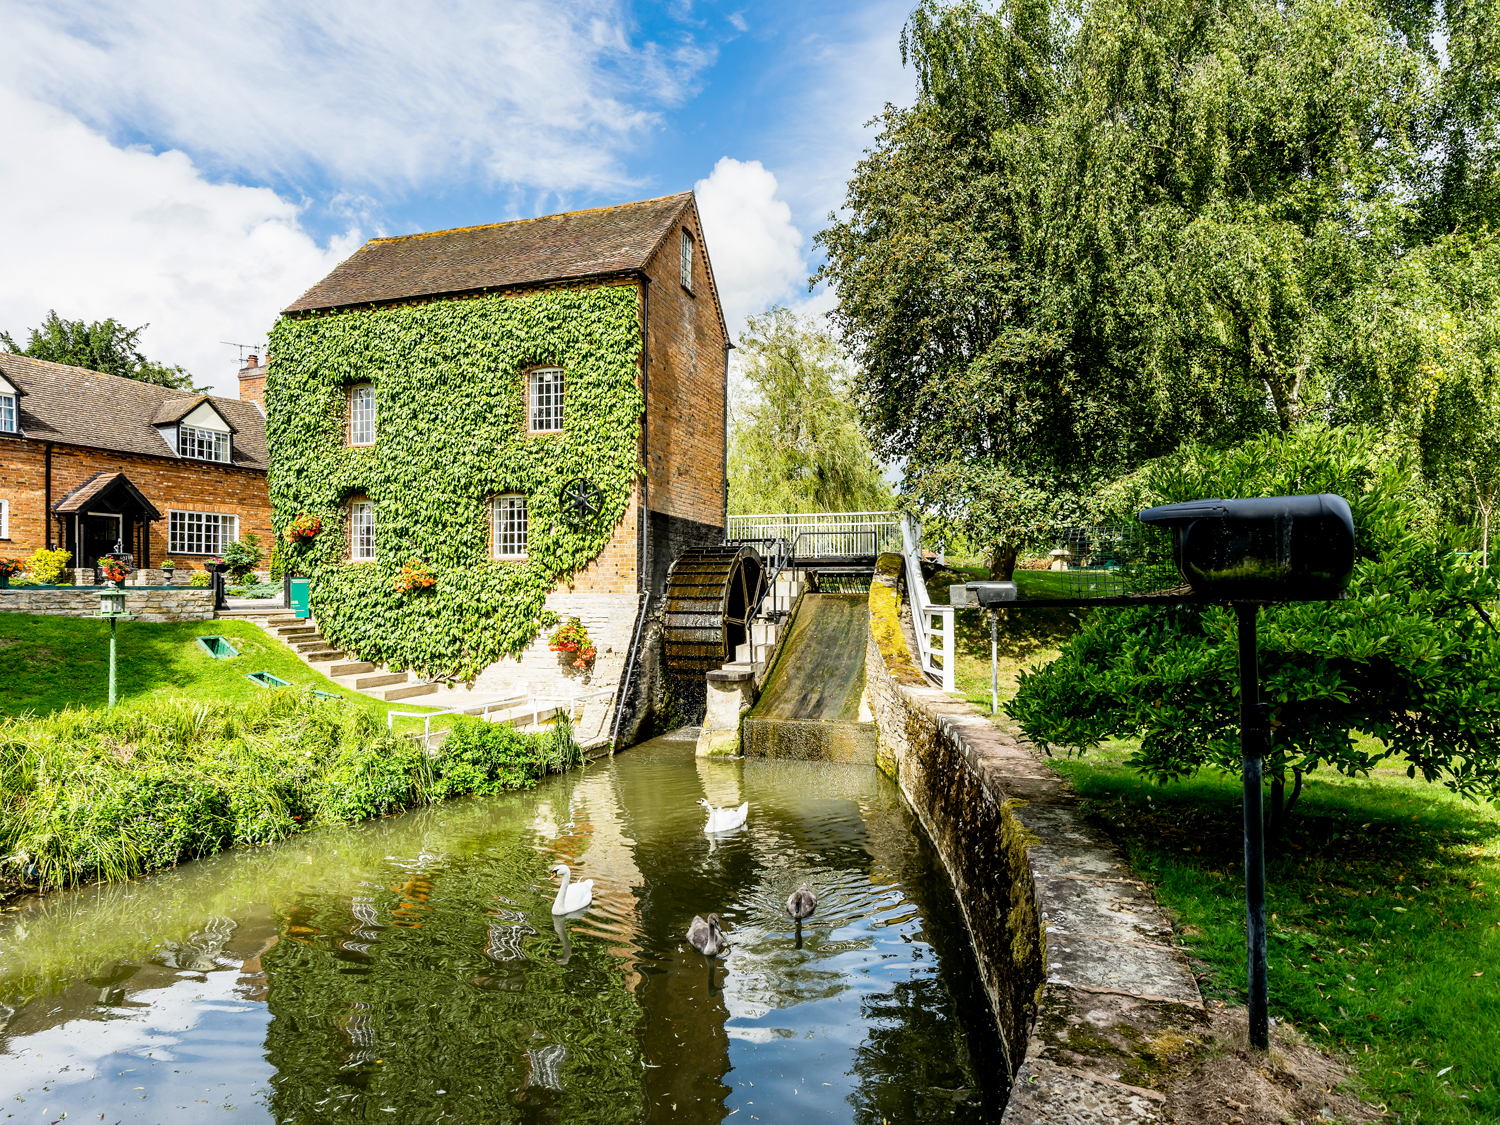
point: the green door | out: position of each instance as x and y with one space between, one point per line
300 605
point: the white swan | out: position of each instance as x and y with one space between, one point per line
722 820
571 896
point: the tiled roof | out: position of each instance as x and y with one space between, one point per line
75 406
575 245
97 485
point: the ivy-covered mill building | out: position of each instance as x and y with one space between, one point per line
476 433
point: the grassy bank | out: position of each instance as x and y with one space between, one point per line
48 663
89 794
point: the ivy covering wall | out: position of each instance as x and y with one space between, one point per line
450 386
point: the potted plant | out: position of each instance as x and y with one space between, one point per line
304 529
114 570
8 568
168 569
573 639
215 565
414 576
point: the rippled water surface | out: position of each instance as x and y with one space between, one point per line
410 970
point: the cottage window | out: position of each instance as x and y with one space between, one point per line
200 533
202 445
362 415
510 527
7 414
687 261
546 400
362 531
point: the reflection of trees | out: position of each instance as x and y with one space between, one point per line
382 1002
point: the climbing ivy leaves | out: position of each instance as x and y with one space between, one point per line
451 434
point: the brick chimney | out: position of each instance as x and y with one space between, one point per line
253 382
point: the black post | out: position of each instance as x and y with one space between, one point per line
1255 732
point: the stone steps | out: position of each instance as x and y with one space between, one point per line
407 692
379 680
351 669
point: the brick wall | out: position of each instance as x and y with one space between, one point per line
685 404
166 482
180 603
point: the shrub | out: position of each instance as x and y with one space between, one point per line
47 567
200 579
243 556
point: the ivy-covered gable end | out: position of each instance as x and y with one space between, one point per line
450 436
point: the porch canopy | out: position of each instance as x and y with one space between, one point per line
104 515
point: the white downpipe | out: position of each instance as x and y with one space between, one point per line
933 623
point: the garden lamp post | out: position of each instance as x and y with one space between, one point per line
112 606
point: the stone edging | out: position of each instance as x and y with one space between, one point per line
1076 958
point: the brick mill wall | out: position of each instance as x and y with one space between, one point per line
176 604
685 377
167 482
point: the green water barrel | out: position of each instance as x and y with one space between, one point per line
300 597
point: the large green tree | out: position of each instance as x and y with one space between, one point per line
795 444
1407 658
1109 227
103 345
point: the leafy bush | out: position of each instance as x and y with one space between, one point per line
1405 658
200 579
243 556
47 567
114 794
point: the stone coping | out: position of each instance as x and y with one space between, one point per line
178 586
1075 955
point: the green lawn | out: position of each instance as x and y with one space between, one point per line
48 663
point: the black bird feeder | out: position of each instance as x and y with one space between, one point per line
1244 553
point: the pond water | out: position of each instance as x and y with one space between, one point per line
410 970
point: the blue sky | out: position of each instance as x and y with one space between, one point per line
198 166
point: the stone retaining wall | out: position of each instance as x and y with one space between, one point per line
148 603
1092 998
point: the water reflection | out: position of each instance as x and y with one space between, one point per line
411 968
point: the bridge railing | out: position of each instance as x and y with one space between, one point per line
822 534
933 623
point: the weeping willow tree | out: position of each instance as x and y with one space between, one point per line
795 442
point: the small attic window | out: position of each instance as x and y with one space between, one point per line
7 413
202 445
687 261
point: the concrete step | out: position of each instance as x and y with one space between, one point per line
353 668
384 679
311 644
302 629
318 656
408 691
278 618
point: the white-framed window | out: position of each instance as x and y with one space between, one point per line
546 400
362 414
202 445
687 261
510 527
4 519
362 531
7 414
200 533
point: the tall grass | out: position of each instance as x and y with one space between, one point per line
88 794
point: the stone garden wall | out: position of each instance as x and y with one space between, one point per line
159 603
1091 996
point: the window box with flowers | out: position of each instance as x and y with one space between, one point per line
572 639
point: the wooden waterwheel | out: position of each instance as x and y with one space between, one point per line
712 593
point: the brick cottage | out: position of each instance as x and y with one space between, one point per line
93 463
439 398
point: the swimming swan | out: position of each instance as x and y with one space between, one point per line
706 937
802 903
722 820
571 896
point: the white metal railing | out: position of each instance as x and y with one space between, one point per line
880 529
933 623
530 701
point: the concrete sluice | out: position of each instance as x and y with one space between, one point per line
811 707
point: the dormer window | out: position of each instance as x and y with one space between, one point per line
362 414
7 413
687 261
202 445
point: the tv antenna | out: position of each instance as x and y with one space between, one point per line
258 349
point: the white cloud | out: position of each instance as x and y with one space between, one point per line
395 93
94 231
755 247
